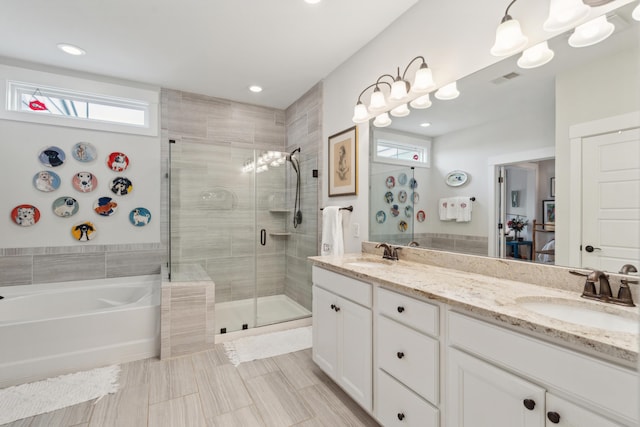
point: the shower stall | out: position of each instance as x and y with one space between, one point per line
249 219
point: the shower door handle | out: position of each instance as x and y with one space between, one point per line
263 237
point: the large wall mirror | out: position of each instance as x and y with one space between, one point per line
516 122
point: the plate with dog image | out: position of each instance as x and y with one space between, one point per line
84 231
46 181
65 206
52 156
25 215
140 217
84 152
121 186
105 206
84 182
117 162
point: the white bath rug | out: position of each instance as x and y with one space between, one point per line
268 345
27 400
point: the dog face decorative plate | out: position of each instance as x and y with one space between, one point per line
84 231
408 211
413 183
390 182
140 217
402 196
402 179
105 206
394 210
403 226
117 162
84 182
84 152
52 157
65 206
121 186
420 216
46 181
388 197
381 217
415 197
25 215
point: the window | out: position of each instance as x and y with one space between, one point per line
402 149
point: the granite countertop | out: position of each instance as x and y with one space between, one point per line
497 299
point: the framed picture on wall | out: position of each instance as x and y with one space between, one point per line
548 211
343 160
552 191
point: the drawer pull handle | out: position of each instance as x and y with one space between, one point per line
529 404
400 309
400 355
335 308
400 416
554 417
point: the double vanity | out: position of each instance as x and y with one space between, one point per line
438 339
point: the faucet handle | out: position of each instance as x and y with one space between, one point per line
394 254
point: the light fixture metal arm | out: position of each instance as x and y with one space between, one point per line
506 16
424 62
372 85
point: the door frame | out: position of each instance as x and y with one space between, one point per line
577 133
494 163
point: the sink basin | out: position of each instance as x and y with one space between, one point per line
365 264
592 315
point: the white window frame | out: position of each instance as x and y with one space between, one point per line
408 141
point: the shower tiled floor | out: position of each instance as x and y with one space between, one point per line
206 390
272 309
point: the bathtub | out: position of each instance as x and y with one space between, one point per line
56 328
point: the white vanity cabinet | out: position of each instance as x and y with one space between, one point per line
499 377
407 360
342 332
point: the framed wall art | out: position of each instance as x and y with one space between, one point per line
343 160
548 211
552 189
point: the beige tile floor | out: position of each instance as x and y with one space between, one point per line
205 390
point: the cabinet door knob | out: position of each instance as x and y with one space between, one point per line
336 308
333 306
554 417
400 355
400 309
400 416
529 404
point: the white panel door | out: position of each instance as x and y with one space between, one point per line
610 202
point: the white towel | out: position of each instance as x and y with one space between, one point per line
444 209
452 208
332 241
465 206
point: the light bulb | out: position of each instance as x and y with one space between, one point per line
565 14
421 102
509 38
448 92
398 90
400 111
536 56
382 120
378 101
360 113
591 32
423 80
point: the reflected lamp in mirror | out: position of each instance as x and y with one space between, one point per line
636 13
447 92
565 14
509 37
382 120
536 56
591 32
421 102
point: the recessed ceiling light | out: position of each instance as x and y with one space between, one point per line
312 1
425 124
255 88
71 49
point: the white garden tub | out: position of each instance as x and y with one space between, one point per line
56 328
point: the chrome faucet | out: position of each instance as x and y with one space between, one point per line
390 252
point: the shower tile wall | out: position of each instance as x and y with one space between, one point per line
303 119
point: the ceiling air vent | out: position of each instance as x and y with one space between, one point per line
503 79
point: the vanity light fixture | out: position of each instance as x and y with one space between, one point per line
536 56
421 102
399 90
509 37
591 32
636 13
71 49
565 14
447 92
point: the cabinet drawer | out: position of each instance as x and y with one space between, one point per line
573 415
352 289
418 314
605 386
409 356
399 406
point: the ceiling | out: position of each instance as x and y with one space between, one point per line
213 47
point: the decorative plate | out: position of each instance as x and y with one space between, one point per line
52 156
415 197
121 186
105 206
394 210
402 196
421 216
402 226
390 182
46 181
140 217
381 217
84 182
388 197
84 152
413 183
456 178
117 161
84 231
25 215
402 179
408 211
65 206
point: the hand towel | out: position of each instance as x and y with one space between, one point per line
442 209
332 240
465 206
452 208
